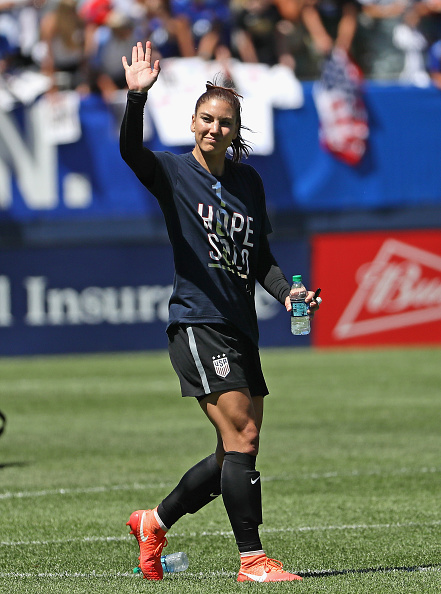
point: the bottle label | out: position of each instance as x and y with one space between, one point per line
299 309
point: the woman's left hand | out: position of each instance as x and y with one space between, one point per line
313 305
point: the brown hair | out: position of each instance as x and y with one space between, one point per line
239 147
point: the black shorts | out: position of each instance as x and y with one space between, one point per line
214 358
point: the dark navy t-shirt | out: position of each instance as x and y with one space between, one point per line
215 225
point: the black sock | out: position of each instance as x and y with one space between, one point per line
198 486
242 497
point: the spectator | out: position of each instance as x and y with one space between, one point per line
413 44
380 58
19 33
261 35
331 23
290 10
6 51
210 22
434 63
299 40
93 13
113 39
62 45
430 23
171 36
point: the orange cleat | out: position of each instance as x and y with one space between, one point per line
258 568
151 540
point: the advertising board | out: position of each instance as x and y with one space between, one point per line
109 298
378 288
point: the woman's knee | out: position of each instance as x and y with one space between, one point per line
244 439
250 439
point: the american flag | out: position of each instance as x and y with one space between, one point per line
342 114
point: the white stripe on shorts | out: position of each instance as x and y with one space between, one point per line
199 366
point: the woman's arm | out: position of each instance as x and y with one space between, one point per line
269 275
140 77
138 157
273 280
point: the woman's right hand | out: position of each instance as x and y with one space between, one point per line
140 76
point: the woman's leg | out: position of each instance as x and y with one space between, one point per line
199 485
202 483
238 418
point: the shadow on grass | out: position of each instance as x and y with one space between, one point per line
307 574
11 464
333 572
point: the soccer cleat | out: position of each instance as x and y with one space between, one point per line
151 540
258 568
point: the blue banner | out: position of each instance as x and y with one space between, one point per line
110 298
81 176
400 168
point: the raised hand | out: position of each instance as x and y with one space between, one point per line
140 76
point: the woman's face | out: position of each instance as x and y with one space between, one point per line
214 126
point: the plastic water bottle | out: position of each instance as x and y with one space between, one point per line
171 563
174 562
300 323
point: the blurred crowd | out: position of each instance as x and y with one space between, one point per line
79 43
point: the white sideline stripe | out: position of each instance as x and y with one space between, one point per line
66 574
140 487
24 543
85 490
227 533
102 383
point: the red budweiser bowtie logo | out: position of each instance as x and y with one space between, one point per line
400 287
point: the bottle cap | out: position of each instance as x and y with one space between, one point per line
297 278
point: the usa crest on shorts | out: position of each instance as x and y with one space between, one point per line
221 365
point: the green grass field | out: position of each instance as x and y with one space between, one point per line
350 463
